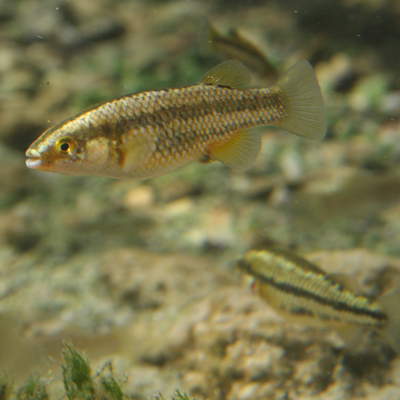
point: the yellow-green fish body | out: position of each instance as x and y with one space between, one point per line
302 291
151 133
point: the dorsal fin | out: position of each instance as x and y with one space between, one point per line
231 73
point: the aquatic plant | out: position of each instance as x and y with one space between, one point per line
79 382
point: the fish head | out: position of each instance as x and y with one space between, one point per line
68 149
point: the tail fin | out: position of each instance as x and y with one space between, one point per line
306 116
390 303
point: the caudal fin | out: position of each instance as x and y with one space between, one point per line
305 106
390 303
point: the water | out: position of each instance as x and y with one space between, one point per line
141 271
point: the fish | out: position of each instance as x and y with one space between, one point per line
235 45
149 134
304 293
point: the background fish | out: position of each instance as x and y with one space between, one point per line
302 291
235 45
149 134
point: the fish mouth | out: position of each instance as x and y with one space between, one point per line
34 160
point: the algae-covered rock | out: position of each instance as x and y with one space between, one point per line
191 323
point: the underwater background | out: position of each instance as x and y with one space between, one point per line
141 272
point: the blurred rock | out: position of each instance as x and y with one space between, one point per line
193 324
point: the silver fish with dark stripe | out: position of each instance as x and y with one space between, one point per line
149 134
302 291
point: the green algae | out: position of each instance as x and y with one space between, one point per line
77 377
33 389
176 396
5 387
79 382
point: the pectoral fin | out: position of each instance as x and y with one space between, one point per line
240 151
135 152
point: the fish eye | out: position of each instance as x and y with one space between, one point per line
65 146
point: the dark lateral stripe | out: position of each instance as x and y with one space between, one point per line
337 305
301 312
200 109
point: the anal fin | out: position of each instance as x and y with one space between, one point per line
390 303
351 336
240 151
